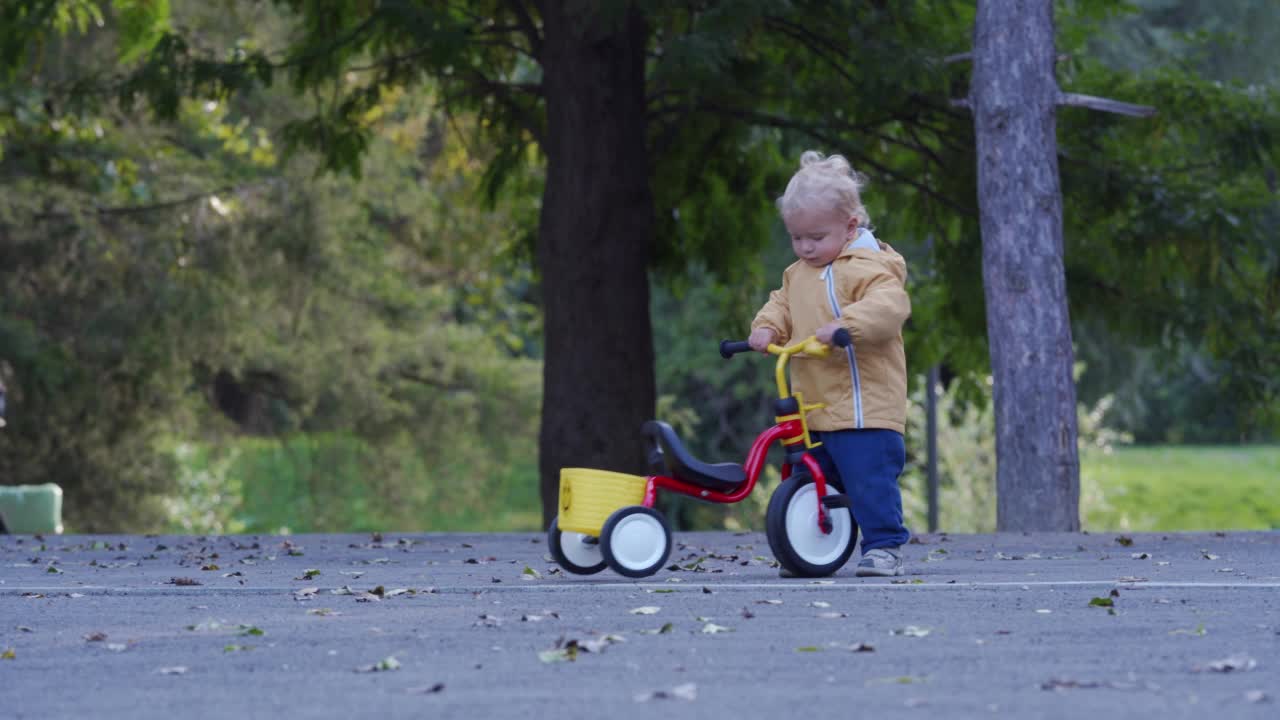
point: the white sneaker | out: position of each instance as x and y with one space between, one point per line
881 562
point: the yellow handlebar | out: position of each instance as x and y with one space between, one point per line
809 346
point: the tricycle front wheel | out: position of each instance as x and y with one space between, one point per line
636 541
575 552
798 543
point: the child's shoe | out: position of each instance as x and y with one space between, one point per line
881 562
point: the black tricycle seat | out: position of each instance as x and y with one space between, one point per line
668 455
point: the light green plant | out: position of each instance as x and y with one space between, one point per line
967 460
207 500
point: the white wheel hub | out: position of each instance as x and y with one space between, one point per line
806 538
579 552
638 541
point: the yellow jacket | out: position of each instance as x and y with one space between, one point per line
865 384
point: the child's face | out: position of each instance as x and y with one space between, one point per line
818 235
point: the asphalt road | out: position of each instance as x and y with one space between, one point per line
482 626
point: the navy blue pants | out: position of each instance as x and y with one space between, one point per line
866 465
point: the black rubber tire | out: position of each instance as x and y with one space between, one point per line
784 551
607 541
554 537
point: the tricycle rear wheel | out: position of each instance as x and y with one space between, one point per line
636 541
575 552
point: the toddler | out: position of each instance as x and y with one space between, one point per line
846 278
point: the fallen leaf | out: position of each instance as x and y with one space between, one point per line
184 581
8 654
95 637
308 574
236 648
599 644
1065 684
250 630
530 574
1241 663
383 665
565 654
1125 540
687 692
1102 602
808 648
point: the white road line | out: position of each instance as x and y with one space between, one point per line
693 586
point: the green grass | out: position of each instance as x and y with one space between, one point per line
1182 487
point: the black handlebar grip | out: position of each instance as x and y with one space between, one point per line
841 338
729 348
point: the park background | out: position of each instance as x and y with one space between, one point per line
233 312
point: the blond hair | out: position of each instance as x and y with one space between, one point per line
825 182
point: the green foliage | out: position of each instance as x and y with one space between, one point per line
183 281
169 263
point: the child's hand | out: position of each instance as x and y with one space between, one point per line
760 339
826 331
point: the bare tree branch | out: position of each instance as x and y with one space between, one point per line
528 26
1105 105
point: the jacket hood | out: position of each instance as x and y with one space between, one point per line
881 253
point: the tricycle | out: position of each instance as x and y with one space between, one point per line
609 519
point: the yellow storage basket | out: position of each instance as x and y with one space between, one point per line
588 497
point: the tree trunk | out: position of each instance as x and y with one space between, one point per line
1014 95
594 243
